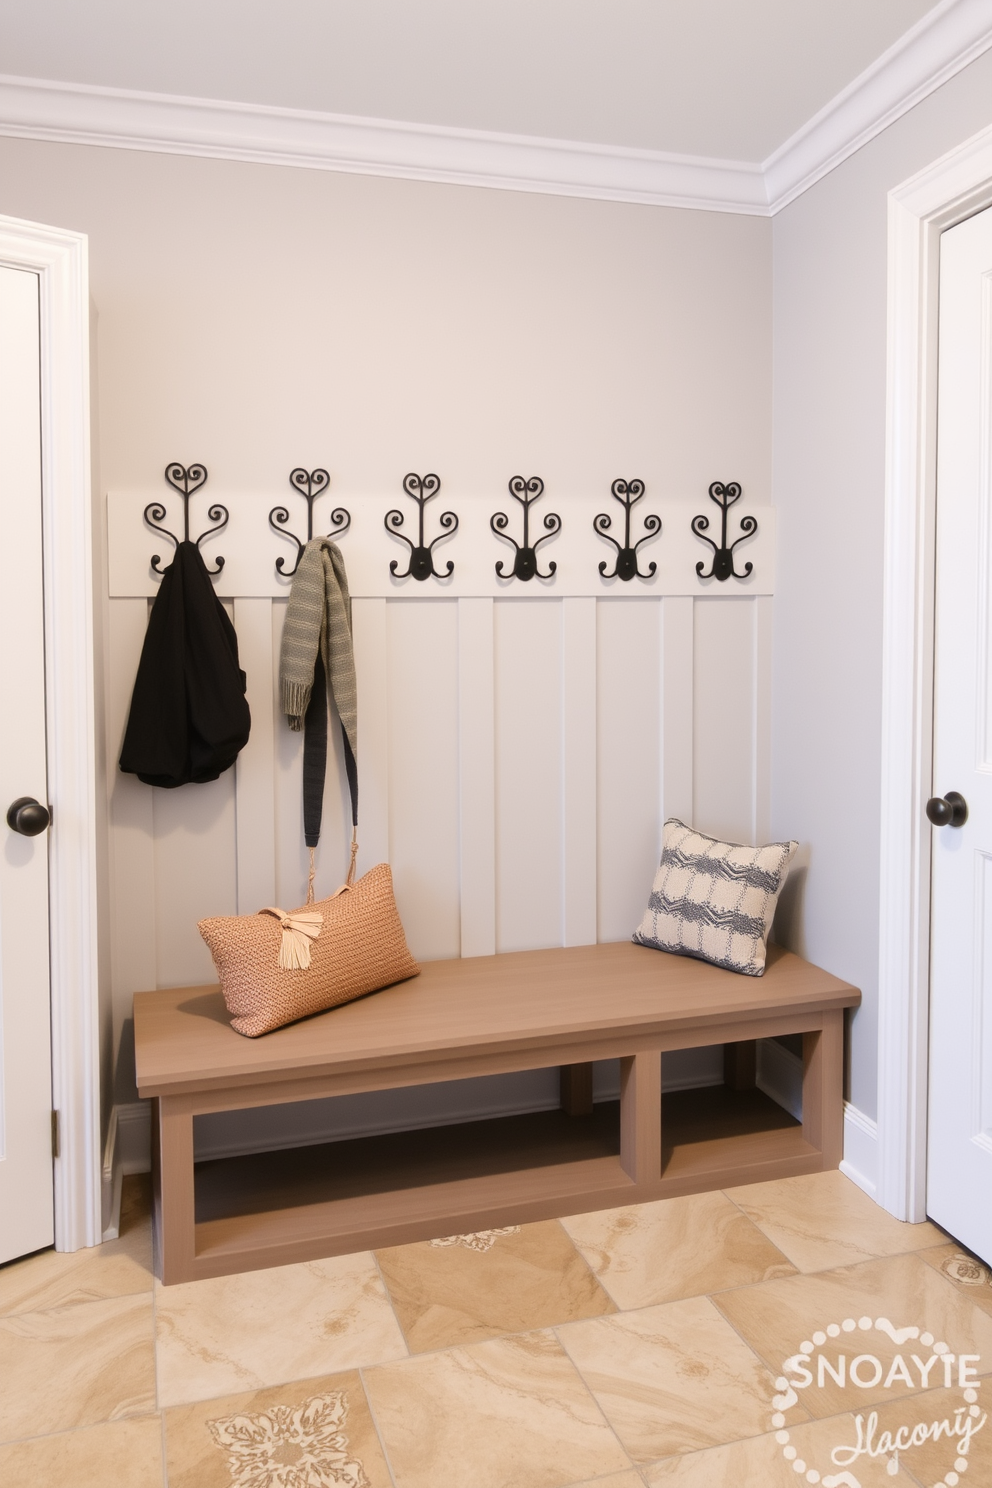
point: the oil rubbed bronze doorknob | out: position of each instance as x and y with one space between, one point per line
28 816
948 811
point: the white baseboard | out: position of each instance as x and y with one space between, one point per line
688 1069
110 1181
860 1149
780 1075
126 1150
309 1123
128 1147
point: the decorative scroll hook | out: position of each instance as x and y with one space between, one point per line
525 554
422 488
627 492
723 556
186 482
310 484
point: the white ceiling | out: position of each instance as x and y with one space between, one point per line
731 79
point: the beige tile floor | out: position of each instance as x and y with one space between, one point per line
643 1347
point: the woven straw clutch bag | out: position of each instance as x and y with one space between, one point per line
276 967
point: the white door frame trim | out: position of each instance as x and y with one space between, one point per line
61 262
953 188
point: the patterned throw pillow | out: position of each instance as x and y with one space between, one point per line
714 900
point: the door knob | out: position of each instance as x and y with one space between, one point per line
28 816
948 811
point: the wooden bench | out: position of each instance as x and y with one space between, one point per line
481 1016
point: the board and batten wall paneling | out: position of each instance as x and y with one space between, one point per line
578 744
255 783
517 756
528 773
629 778
195 843
723 766
477 776
369 627
677 712
131 836
762 717
422 640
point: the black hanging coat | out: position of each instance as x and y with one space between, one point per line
189 715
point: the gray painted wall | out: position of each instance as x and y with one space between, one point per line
829 314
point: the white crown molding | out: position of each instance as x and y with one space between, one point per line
943 42
71 113
950 36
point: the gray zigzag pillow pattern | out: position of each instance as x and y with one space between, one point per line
714 900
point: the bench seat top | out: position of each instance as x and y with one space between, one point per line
516 1001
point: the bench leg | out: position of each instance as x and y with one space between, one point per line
740 1063
173 1182
823 1088
576 1089
640 1116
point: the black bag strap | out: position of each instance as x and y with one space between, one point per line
315 772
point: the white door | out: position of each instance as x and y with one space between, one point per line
26 1200
959 1182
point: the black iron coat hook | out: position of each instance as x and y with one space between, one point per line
422 488
187 483
310 484
627 492
723 556
525 557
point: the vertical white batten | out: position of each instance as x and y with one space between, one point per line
132 839
677 707
369 621
579 917
255 804
762 744
476 777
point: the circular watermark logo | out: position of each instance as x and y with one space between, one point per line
849 1357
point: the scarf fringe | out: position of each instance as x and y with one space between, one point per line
295 701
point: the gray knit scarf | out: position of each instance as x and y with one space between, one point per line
317 644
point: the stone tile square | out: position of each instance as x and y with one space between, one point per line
674 1378
123 1453
509 1413
823 1220
235 1333
966 1273
837 1314
661 1252
118 1268
75 1366
936 1461
631 1479
464 1289
760 1462
313 1432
